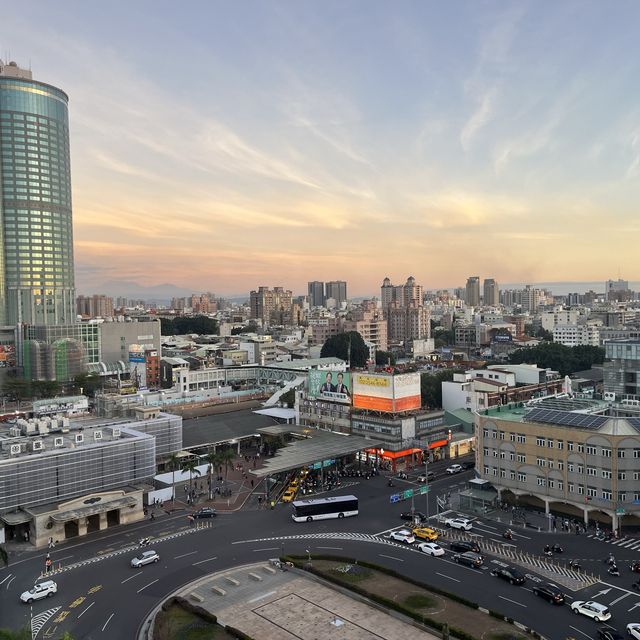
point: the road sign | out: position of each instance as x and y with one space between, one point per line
408 493
424 490
394 497
620 511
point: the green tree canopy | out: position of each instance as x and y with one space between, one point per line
188 324
431 387
566 360
250 328
348 346
385 357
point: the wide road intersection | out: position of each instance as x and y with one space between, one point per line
101 596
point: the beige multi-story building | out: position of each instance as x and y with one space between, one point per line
403 295
96 306
408 323
580 463
203 303
371 325
265 301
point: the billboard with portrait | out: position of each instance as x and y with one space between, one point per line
329 385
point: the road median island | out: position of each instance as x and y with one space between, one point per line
180 619
427 605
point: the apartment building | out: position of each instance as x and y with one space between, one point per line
578 463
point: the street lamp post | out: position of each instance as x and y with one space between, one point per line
426 481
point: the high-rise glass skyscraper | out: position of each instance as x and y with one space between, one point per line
36 238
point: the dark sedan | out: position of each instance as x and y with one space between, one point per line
205 512
511 575
549 592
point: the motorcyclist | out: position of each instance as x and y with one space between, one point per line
508 534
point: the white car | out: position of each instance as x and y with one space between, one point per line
459 523
404 535
146 557
633 630
595 610
41 590
454 468
431 548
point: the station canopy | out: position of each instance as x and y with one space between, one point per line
308 447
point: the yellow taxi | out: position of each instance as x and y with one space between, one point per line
289 495
425 533
294 483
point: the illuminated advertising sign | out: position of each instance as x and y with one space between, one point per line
386 392
329 385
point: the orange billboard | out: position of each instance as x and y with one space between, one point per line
386 392
392 405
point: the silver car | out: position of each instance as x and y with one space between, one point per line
146 557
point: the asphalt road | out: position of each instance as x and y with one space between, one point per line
101 596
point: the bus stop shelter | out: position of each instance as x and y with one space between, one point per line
309 447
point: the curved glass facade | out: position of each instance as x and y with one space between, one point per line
36 244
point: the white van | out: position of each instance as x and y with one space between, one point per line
39 591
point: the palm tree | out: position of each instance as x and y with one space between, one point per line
4 556
174 465
191 466
213 460
227 456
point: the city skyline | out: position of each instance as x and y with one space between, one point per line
216 150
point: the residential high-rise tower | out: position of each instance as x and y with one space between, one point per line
472 292
36 248
316 293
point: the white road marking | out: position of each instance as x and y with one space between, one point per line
264 595
337 548
266 549
582 632
391 557
207 560
622 597
10 581
382 533
108 621
513 601
135 575
147 585
54 560
184 555
6 579
446 576
87 609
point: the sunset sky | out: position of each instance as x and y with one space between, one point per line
225 145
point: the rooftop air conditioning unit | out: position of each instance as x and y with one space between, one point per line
14 432
97 435
58 442
37 445
15 449
116 433
79 439
609 396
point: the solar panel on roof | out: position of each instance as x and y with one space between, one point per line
567 418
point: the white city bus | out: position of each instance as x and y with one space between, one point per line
324 508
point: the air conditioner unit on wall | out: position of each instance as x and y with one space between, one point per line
97 435
79 438
58 442
15 449
37 445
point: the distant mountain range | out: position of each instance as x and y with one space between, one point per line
159 293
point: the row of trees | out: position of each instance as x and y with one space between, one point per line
566 360
348 346
183 325
16 388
